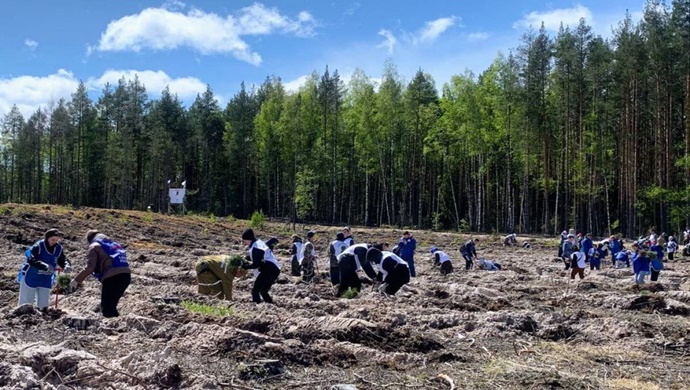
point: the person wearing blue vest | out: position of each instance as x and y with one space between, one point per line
657 259
37 273
640 263
586 246
265 265
622 259
407 246
106 260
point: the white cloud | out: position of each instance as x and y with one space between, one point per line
477 37
552 19
31 92
294 85
390 41
154 81
433 29
31 44
208 33
352 8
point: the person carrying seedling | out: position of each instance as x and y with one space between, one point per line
469 253
394 272
334 250
351 260
215 274
106 260
37 273
265 265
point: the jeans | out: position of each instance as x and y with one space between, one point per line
410 262
640 276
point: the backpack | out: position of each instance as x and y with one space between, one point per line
116 252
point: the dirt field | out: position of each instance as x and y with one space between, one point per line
526 327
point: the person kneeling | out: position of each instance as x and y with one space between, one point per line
394 272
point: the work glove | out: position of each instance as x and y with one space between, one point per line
73 284
41 266
68 268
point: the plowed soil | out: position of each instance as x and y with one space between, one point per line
525 327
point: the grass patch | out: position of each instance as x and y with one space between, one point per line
208 310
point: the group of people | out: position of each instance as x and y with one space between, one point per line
106 260
646 254
388 269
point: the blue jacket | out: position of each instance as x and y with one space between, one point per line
640 263
407 247
586 245
616 246
621 256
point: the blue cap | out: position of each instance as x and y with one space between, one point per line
433 249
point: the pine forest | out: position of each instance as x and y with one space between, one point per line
566 130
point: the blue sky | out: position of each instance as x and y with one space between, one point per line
47 47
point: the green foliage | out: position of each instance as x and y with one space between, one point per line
208 310
305 186
62 283
350 293
235 261
436 221
258 220
464 226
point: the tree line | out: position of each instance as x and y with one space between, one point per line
570 130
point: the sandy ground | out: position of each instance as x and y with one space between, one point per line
526 327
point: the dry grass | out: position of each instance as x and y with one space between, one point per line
631 384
